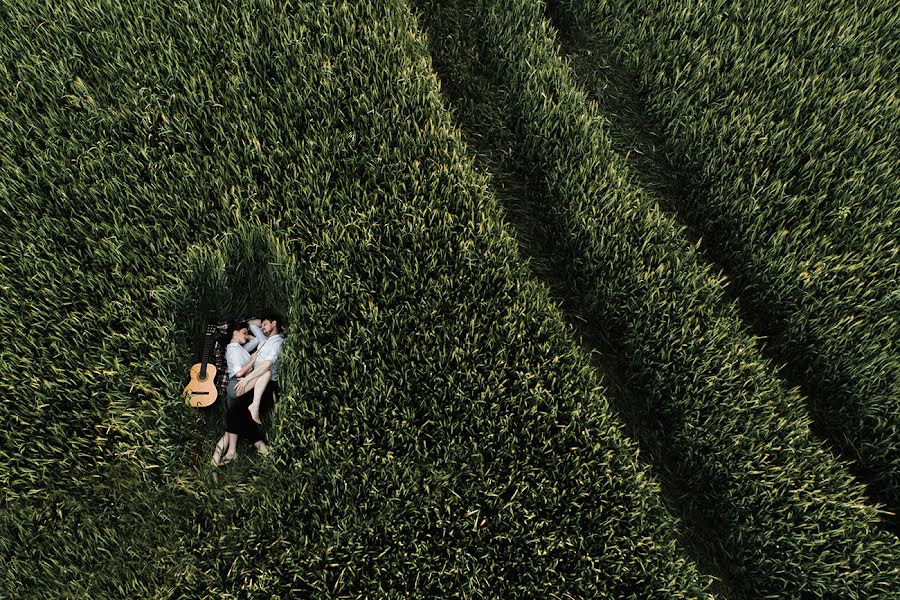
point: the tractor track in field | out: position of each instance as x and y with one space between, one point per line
521 203
633 132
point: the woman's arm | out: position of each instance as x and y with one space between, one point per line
247 382
244 370
232 360
247 366
259 370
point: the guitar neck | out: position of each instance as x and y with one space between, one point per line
210 331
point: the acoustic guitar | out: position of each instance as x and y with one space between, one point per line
201 389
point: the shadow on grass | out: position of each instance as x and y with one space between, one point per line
243 274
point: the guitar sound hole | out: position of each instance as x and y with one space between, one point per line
202 377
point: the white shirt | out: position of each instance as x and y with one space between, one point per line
271 350
237 355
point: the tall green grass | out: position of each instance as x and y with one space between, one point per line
786 121
439 433
786 517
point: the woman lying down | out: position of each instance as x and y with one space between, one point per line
252 379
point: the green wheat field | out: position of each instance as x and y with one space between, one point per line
586 298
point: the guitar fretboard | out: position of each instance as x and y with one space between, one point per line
207 339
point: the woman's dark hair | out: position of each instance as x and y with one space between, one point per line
232 327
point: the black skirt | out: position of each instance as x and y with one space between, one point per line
237 411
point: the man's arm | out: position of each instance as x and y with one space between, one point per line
252 344
258 334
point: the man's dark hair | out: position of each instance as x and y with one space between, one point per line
232 327
277 317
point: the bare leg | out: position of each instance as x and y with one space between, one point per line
231 454
222 446
259 386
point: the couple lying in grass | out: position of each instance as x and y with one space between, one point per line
252 379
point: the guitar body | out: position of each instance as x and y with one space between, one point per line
201 389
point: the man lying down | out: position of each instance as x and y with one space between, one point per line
252 380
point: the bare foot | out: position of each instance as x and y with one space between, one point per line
229 458
217 455
254 413
261 448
